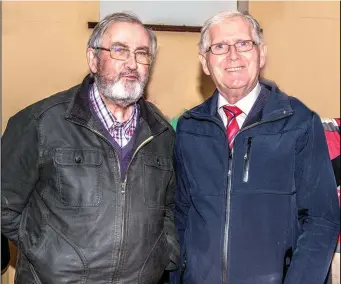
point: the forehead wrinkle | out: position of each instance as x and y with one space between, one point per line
234 22
117 33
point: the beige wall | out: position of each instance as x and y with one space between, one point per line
177 81
43 51
304 50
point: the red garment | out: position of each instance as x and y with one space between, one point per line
232 126
332 132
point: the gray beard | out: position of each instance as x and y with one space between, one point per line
121 94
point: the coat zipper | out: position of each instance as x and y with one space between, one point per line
247 160
229 186
184 262
123 184
123 192
227 220
227 217
182 273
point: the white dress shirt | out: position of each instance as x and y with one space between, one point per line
245 105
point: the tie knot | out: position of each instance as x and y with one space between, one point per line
232 111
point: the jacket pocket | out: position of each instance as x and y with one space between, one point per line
78 177
57 260
265 164
157 172
155 263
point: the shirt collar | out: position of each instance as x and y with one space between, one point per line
246 103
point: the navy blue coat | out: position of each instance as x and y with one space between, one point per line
266 214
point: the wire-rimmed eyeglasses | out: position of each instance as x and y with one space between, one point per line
223 48
122 53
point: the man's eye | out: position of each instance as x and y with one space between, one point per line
118 48
219 46
243 43
142 53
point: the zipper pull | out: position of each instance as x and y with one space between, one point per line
183 267
123 187
231 153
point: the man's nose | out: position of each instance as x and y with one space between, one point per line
131 62
233 54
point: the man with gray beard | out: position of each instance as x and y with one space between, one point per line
87 174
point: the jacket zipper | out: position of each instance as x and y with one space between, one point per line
227 217
247 160
123 184
184 261
182 273
229 185
123 192
227 221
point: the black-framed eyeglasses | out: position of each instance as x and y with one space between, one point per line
122 53
223 48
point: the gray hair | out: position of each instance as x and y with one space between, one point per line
96 37
205 40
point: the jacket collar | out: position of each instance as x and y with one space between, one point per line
271 104
80 110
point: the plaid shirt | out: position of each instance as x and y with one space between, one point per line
121 132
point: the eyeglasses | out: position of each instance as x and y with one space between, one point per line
121 53
223 48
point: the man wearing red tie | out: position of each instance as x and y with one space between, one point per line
256 200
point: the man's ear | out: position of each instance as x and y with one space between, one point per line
92 59
203 61
263 52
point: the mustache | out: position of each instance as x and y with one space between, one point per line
128 73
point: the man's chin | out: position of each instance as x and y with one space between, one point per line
123 93
123 102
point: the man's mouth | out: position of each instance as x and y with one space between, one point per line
234 69
130 76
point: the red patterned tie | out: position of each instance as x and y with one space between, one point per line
232 127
